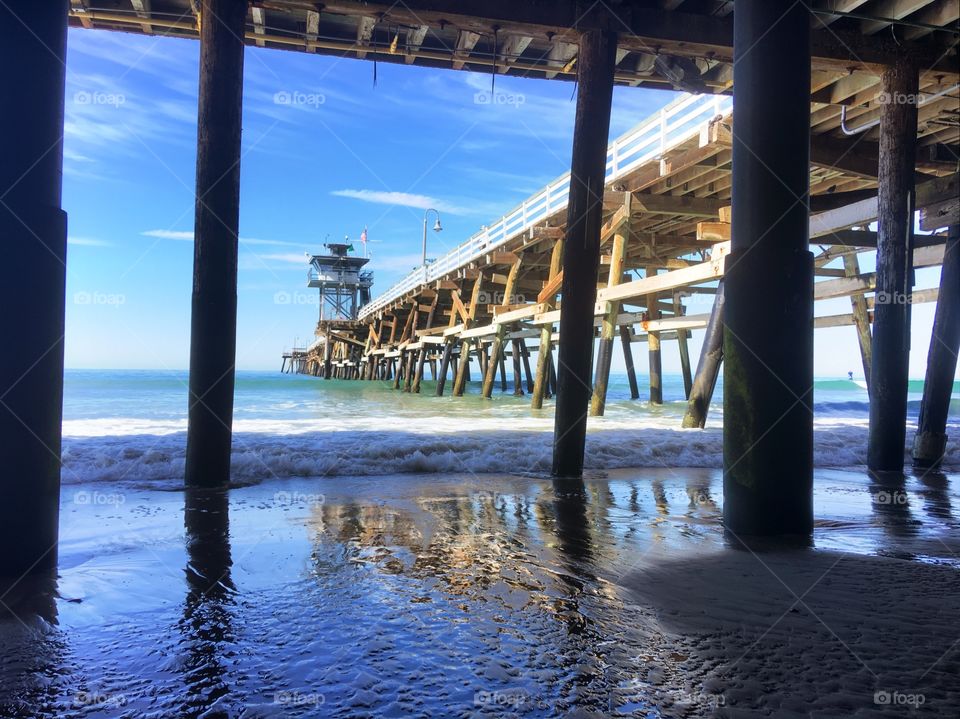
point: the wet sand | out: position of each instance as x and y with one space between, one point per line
489 595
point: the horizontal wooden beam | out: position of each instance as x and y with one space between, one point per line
675 205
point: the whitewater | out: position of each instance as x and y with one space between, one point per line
129 428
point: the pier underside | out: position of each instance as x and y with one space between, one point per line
684 200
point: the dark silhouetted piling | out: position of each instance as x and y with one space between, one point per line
931 439
768 327
32 281
891 313
213 330
581 255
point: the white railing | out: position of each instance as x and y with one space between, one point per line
674 124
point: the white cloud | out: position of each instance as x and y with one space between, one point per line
401 199
187 236
88 242
291 258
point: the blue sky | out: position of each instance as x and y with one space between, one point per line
341 154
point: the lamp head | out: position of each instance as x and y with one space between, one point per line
437 227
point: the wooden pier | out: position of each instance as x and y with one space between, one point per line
665 234
879 78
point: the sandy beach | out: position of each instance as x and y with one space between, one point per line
488 595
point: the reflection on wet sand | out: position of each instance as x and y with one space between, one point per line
209 605
470 596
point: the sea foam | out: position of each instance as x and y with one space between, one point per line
154 453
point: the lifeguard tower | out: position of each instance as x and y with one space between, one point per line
344 286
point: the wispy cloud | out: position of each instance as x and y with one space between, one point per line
88 242
291 258
187 236
170 234
402 199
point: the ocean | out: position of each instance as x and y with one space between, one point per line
129 427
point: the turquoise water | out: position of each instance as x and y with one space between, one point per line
131 426
162 396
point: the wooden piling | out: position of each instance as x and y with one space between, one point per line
460 382
581 257
327 357
517 376
931 439
32 282
498 341
398 375
421 361
408 372
861 318
424 348
627 343
768 327
618 254
683 348
525 353
708 368
444 366
542 378
891 313
213 331
653 346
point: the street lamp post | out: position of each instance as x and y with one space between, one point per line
436 228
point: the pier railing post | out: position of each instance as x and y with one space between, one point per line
213 331
891 312
33 231
768 328
581 256
931 439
